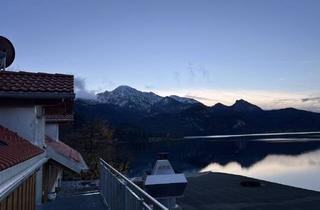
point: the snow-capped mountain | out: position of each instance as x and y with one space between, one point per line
136 112
170 105
184 100
125 96
128 96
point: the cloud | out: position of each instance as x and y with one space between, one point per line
149 87
81 91
199 98
192 73
197 73
79 83
316 99
203 72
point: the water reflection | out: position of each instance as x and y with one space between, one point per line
296 170
293 161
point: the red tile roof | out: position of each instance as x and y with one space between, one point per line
15 149
64 149
11 81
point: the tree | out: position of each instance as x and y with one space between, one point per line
96 130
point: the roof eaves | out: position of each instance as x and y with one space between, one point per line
66 161
12 177
36 95
58 120
63 158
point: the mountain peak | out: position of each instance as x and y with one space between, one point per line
124 88
244 106
242 101
220 107
130 97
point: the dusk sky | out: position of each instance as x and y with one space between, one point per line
266 52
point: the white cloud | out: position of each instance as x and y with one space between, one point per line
81 91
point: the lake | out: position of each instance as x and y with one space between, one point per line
291 160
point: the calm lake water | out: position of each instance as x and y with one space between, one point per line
287 160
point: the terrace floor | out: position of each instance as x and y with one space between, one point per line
205 191
217 191
76 202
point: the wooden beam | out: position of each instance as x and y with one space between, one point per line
19 197
15 199
9 202
3 204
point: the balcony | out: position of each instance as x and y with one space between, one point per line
116 192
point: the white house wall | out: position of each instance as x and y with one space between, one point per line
52 130
25 121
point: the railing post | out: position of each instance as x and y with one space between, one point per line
120 193
125 196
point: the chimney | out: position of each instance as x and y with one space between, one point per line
164 184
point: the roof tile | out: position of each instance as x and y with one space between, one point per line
15 149
36 82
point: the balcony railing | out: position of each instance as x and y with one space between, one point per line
120 193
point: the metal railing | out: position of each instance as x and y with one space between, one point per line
120 193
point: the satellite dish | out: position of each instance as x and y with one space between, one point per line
7 53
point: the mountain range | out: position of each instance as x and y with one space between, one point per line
128 97
134 111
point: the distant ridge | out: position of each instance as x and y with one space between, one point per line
244 106
130 109
184 99
220 107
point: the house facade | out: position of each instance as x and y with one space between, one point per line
32 107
